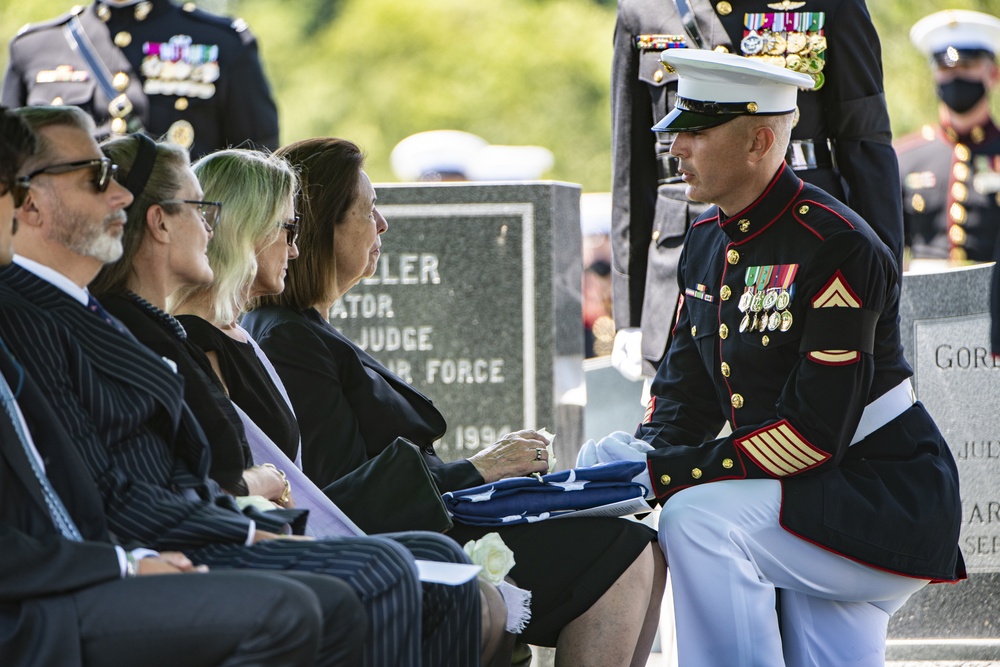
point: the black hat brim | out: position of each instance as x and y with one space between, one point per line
680 120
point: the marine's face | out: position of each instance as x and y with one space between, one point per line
709 165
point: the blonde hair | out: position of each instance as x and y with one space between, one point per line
254 188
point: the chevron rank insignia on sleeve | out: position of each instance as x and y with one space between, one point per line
836 294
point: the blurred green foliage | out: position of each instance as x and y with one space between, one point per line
511 71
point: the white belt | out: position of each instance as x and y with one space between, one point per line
884 409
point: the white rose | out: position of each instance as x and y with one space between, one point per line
490 553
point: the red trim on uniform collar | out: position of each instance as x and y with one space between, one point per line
772 203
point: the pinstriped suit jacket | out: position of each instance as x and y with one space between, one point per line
123 407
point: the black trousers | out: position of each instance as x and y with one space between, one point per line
409 624
220 618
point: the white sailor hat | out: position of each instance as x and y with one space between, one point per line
952 35
435 155
509 163
714 87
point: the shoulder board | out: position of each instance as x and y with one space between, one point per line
57 22
236 26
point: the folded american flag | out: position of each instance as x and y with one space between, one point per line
526 499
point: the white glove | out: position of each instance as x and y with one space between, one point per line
587 455
626 353
621 446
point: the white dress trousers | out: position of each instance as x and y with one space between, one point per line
728 555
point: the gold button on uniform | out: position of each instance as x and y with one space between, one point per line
744 225
694 331
752 107
696 473
658 75
957 235
737 401
803 209
123 39
181 103
727 463
958 255
725 292
732 257
118 126
57 101
918 203
723 331
978 134
725 369
724 8
765 341
664 479
120 81
721 48
656 234
961 171
957 213
962 152
959 191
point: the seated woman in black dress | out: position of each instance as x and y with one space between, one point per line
596 582
165 241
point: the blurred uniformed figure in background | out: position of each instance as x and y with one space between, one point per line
841 141
454 155
950 171
180 73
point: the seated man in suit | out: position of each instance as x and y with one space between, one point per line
124 408
68 596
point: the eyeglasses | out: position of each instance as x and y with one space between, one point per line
292 228
18 192
104 169
210 211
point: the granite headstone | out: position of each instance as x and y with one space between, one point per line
476 303
945 326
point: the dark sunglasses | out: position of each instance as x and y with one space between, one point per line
292 228
18 193
210 211
104 169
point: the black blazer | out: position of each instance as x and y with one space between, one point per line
349 406
123 408
37 625
203 391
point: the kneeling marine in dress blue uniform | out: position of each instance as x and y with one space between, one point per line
788 331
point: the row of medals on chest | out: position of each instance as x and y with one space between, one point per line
765 310
798 51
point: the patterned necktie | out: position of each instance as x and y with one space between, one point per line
60 517
94 306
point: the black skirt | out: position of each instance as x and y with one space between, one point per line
567 564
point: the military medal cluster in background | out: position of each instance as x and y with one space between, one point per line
794 40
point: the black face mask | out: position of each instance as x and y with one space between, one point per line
961 94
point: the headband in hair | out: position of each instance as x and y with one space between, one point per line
145 158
